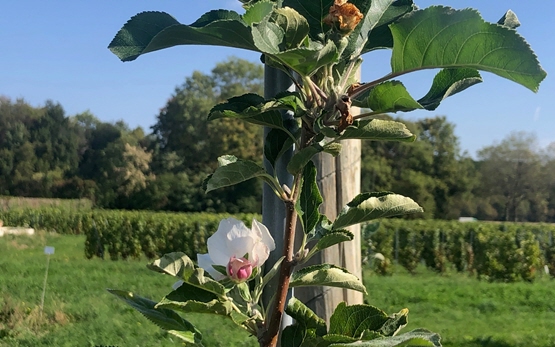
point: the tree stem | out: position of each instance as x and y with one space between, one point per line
270 337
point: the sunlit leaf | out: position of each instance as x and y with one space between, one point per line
415 338
151 31
353 320
378 129
390 96
326 275
441 37
449 82
368 206
232 172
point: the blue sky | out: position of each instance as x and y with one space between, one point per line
57 50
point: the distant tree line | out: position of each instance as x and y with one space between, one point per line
46 153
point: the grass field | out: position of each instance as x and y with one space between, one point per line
79 312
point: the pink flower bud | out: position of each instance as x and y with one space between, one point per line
239 269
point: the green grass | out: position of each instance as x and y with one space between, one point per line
467 312
79 312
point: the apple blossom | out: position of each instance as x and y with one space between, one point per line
237 248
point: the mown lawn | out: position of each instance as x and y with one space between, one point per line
467 312
79 312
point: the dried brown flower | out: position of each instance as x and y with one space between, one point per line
347 16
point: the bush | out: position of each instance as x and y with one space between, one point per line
505 252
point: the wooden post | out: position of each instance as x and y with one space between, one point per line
339 182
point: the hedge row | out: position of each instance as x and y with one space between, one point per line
126 234
492 251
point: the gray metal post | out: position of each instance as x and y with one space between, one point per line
273 209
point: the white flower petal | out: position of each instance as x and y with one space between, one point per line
240 241
217 243
205 261
259 254
267 239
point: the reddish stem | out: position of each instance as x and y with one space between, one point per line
273 325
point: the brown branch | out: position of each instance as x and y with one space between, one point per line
273 325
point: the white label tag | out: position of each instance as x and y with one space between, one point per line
48 250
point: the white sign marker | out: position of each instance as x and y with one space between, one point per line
48 250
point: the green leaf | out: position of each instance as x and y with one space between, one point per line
267 36
233 171
306 60
218 307
510 20
415 338
290 101
323 227
294 26
332 238
377 129
440 37
376 13
151 31
368 206
302 157
380 37
304 315
244 106
254 109
164 318
326 275
353 320
276 143
390 96
314 12
395 323
309 200
333 148
258 11
293 335
449 82
179 265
